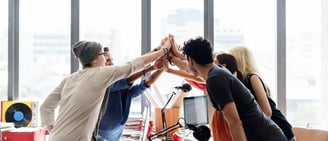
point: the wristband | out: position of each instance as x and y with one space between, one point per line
165 50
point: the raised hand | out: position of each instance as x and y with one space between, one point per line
159 63
166 44
175 48
165 65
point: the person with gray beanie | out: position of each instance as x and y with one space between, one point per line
79 95
86 52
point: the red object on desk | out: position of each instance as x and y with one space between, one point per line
150 127
24 134
177 136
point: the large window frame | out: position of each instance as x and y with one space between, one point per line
4 49
145 45
13 42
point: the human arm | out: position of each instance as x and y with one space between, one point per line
113 73
260 95
49 128
181 64
158 65
119 85
139 74
185 75
153 77
152 56
221 95
183 70
234 122
138 89
175 49
149 80
47 108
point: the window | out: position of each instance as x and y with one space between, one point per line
117 25
182 18
3 49
306 63
44 47
251 24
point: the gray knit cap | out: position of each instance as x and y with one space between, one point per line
86 51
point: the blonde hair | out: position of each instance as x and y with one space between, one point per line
245 60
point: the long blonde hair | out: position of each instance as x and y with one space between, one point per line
245 60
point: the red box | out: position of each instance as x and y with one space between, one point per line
24 134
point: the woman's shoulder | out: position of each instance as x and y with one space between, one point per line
252 76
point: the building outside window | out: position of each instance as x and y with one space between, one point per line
306 63
44 47
3 50
117 25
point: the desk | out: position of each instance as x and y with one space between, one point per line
172 116
132 135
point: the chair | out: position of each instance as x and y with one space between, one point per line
307 134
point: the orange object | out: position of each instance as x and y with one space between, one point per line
172 117
220 128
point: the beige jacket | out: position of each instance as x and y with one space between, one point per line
79 98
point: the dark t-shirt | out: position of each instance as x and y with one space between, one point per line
276 115
224 88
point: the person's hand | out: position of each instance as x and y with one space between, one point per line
166 45
165 65
175 51
173 60
159 63
48 129
160 45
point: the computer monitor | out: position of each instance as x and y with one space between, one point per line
195 110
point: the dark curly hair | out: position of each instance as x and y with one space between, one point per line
199 49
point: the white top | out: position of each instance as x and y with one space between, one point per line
80 96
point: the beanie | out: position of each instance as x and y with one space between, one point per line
86 51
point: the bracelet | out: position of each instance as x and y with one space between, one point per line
143 72
169 58
165 50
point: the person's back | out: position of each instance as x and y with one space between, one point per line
251 79
117 105
257 126
80 94
276 116
68 108
245 119
118 110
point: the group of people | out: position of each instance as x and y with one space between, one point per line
95 101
